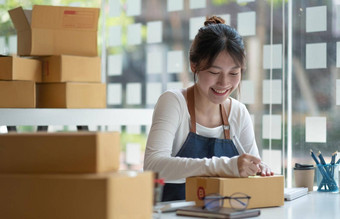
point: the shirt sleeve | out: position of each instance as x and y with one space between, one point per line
167 117
246 133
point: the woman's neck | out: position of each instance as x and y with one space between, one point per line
207 113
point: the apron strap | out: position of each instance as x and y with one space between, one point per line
191 108
224 115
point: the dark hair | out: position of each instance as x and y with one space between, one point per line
211 40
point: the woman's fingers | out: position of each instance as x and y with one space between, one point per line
265 170
248 165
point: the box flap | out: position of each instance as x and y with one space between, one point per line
19 19
28 14
56 17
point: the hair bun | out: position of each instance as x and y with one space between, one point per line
214 20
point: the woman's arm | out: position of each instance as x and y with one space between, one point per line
247 139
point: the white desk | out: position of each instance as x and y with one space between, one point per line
314 205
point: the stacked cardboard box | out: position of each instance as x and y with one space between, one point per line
64 175
64 39
69 175
17 81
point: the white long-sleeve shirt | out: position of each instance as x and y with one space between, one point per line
170 128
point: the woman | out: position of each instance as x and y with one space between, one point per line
194 130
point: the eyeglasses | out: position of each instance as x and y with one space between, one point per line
237 201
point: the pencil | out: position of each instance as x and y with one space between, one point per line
238 144
333 157
338 162
332 163
324 173
314 157
322 161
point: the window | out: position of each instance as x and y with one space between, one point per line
291 86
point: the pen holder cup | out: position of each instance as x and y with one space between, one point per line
327 177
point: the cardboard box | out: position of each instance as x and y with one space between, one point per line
264 191
70 152
67 68
55 30
71 95
100 196
17 94
15 68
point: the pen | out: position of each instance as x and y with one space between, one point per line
238 144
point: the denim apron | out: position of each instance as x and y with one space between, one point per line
196 146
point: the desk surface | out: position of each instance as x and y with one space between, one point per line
313 205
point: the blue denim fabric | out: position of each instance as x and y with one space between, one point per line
196 146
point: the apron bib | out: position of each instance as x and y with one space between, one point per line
197 146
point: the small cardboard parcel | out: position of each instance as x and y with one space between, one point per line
264 191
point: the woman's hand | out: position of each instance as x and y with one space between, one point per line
248 165
265 170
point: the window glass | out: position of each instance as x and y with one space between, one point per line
144 48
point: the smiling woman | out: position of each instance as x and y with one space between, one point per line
191 128
218 81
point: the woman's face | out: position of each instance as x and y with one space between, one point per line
220 80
